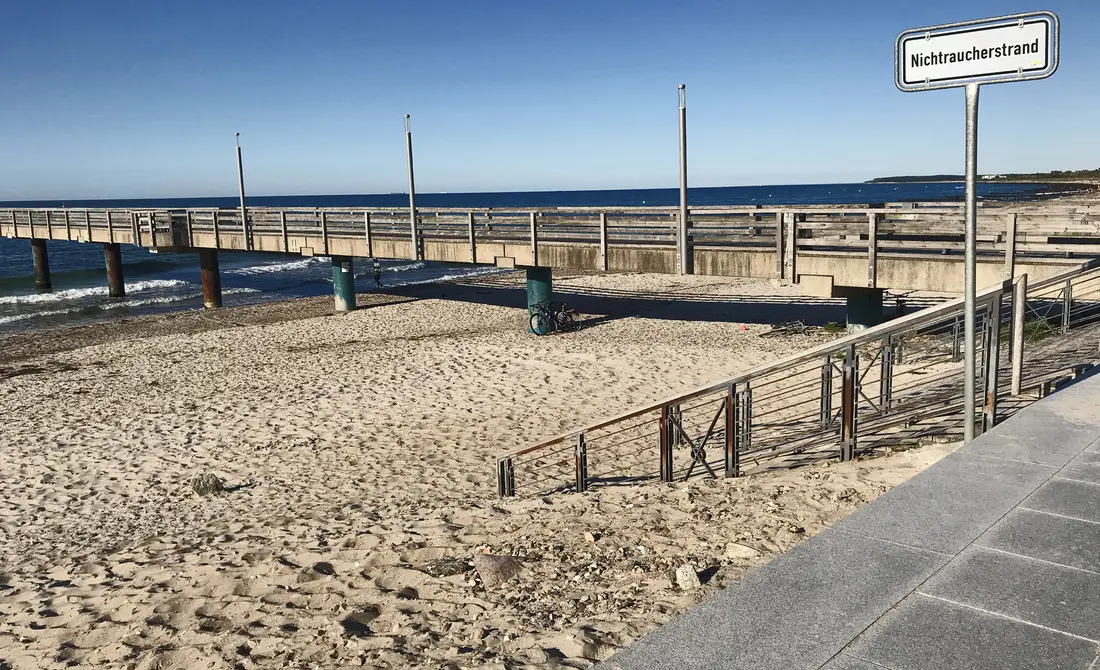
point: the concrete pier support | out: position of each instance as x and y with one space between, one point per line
539 286
211 278
343 283
864 307
41 266
112 255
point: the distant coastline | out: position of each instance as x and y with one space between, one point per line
1060 180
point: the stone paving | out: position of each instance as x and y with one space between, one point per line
988 559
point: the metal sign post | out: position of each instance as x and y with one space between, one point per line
412 191
246 233
683 249
1019 47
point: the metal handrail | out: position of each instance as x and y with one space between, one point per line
931 397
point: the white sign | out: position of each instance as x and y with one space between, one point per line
989 51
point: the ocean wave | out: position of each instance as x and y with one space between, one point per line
163 300
126 303
449 277
277 267
419 265
77 293
34 315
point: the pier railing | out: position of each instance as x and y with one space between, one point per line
895 384
790 236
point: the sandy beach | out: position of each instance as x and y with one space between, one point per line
358 453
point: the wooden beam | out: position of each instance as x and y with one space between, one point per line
603 241
1010 248
872 249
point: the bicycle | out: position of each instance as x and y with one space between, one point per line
549 317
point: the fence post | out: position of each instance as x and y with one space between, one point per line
581 456
1019 312
367 234
826 392
792 247
68 226
134 230
779 244
324 233
955 352
666 445
473 237
744 415
603 241
87 223
992 361
506 478
886 375
534 239
1010 248
217 235
872 250
1067 305
733 456
848 401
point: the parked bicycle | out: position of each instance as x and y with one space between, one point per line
550 317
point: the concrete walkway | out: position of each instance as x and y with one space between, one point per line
988 559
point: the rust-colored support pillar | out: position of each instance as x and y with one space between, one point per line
41 266
211 279
112 255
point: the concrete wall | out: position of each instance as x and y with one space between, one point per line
570 256
641 259
735 262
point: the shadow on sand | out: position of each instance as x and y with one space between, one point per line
598 306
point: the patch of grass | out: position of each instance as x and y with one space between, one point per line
833 327
1038 330
1035 330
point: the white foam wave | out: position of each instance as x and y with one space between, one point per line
32 315
126 303
77 293
458 275
405 268
277 267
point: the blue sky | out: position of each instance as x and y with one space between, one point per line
141 99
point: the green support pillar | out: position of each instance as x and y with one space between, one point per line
540 288
864 307
343 283
41 266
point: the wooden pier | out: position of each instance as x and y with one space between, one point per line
830 250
